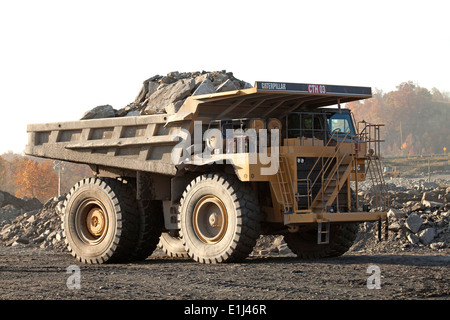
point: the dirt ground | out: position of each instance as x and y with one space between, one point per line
33 273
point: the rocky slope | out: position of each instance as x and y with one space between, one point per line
419 216
39 227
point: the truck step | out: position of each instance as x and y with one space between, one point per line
323 234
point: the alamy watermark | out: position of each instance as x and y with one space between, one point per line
74 280
237 147
374 280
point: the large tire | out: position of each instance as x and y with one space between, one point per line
172 246
219 219
100 221
304 242
150 227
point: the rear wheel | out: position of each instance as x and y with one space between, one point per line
219 219
304 242
100 221
150 228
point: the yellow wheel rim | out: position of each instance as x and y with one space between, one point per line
210 219
91 221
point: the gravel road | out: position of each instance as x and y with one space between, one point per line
33 273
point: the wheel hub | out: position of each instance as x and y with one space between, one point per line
95 222
210 219
214 220
91 221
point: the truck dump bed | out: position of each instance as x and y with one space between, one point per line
144 143
136 143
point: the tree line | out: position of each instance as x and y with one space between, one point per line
24 176
416 119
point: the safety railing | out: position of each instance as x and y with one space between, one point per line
370 134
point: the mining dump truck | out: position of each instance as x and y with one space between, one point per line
391 172
208 180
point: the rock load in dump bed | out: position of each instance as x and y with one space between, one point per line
166 94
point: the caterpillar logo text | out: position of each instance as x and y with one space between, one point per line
274 86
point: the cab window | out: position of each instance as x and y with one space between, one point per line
341 123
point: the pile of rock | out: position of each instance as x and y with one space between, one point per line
39 227
11 207
419 217
166 94
424 222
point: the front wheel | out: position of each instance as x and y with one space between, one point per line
219 219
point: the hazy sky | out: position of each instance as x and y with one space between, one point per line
59 59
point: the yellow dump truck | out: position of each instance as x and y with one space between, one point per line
391 172
208 180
